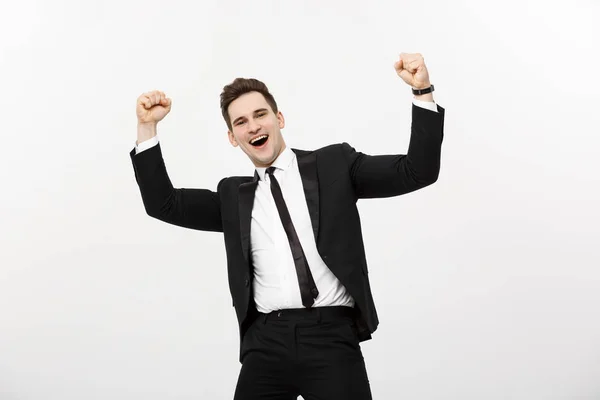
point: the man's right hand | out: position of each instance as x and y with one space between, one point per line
151 108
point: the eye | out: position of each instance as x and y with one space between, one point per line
262 114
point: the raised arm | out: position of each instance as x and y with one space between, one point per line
392 175
190 208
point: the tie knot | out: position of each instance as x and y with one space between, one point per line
271 170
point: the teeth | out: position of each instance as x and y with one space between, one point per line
258 138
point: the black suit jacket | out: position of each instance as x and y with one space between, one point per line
334 178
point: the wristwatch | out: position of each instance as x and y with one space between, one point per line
423 91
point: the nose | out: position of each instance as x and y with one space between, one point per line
253 126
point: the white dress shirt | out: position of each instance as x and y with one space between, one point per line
275 281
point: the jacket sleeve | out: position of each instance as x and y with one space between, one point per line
393 175
190 208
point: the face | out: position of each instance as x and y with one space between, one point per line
256 129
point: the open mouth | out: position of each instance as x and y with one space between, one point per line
259 141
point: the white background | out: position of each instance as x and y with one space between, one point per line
487 283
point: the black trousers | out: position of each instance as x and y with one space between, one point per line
314 353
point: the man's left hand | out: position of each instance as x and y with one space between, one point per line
411 68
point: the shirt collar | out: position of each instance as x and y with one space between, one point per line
283 162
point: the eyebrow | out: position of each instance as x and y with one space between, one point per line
242 117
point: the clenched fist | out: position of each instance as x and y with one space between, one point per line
411 68
152 107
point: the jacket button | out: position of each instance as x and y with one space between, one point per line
247 282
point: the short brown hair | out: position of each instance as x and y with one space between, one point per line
242 86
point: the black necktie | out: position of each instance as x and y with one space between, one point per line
308 288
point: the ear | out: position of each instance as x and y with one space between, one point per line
232 140
281 120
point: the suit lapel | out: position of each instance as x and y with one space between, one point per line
246 201
307 164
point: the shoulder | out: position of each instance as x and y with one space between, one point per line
336 148
331 157
341 152
232 183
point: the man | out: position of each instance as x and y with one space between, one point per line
296 262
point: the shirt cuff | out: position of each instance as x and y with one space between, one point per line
146 144
429 105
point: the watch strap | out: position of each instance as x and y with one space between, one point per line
417 92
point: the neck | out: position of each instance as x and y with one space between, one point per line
283 147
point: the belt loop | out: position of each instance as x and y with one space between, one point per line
318 314
265 318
